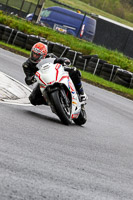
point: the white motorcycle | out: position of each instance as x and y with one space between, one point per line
60 94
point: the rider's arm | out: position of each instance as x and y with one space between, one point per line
29 71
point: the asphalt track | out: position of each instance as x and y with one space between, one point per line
40 158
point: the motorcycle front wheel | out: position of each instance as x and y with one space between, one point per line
82 118
61 108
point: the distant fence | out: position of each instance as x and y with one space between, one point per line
114 36
93 64
19 7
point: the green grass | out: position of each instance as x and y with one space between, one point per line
15 48
95 80
106 84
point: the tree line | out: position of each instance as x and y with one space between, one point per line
119 8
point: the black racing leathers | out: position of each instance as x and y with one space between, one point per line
36 97
29 69
75 75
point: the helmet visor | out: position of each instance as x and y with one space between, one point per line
35 57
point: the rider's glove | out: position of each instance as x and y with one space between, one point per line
30 80
72 69
59 60
63 61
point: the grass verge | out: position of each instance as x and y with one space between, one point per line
87 77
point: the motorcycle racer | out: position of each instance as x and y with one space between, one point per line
39 52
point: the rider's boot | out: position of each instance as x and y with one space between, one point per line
82 96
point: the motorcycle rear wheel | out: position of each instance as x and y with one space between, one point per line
61 109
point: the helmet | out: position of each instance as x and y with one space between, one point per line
38 52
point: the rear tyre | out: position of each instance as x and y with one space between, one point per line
82 118
61 109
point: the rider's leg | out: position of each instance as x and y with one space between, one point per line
36 97
75 75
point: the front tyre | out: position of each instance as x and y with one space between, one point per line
81 119
61 109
